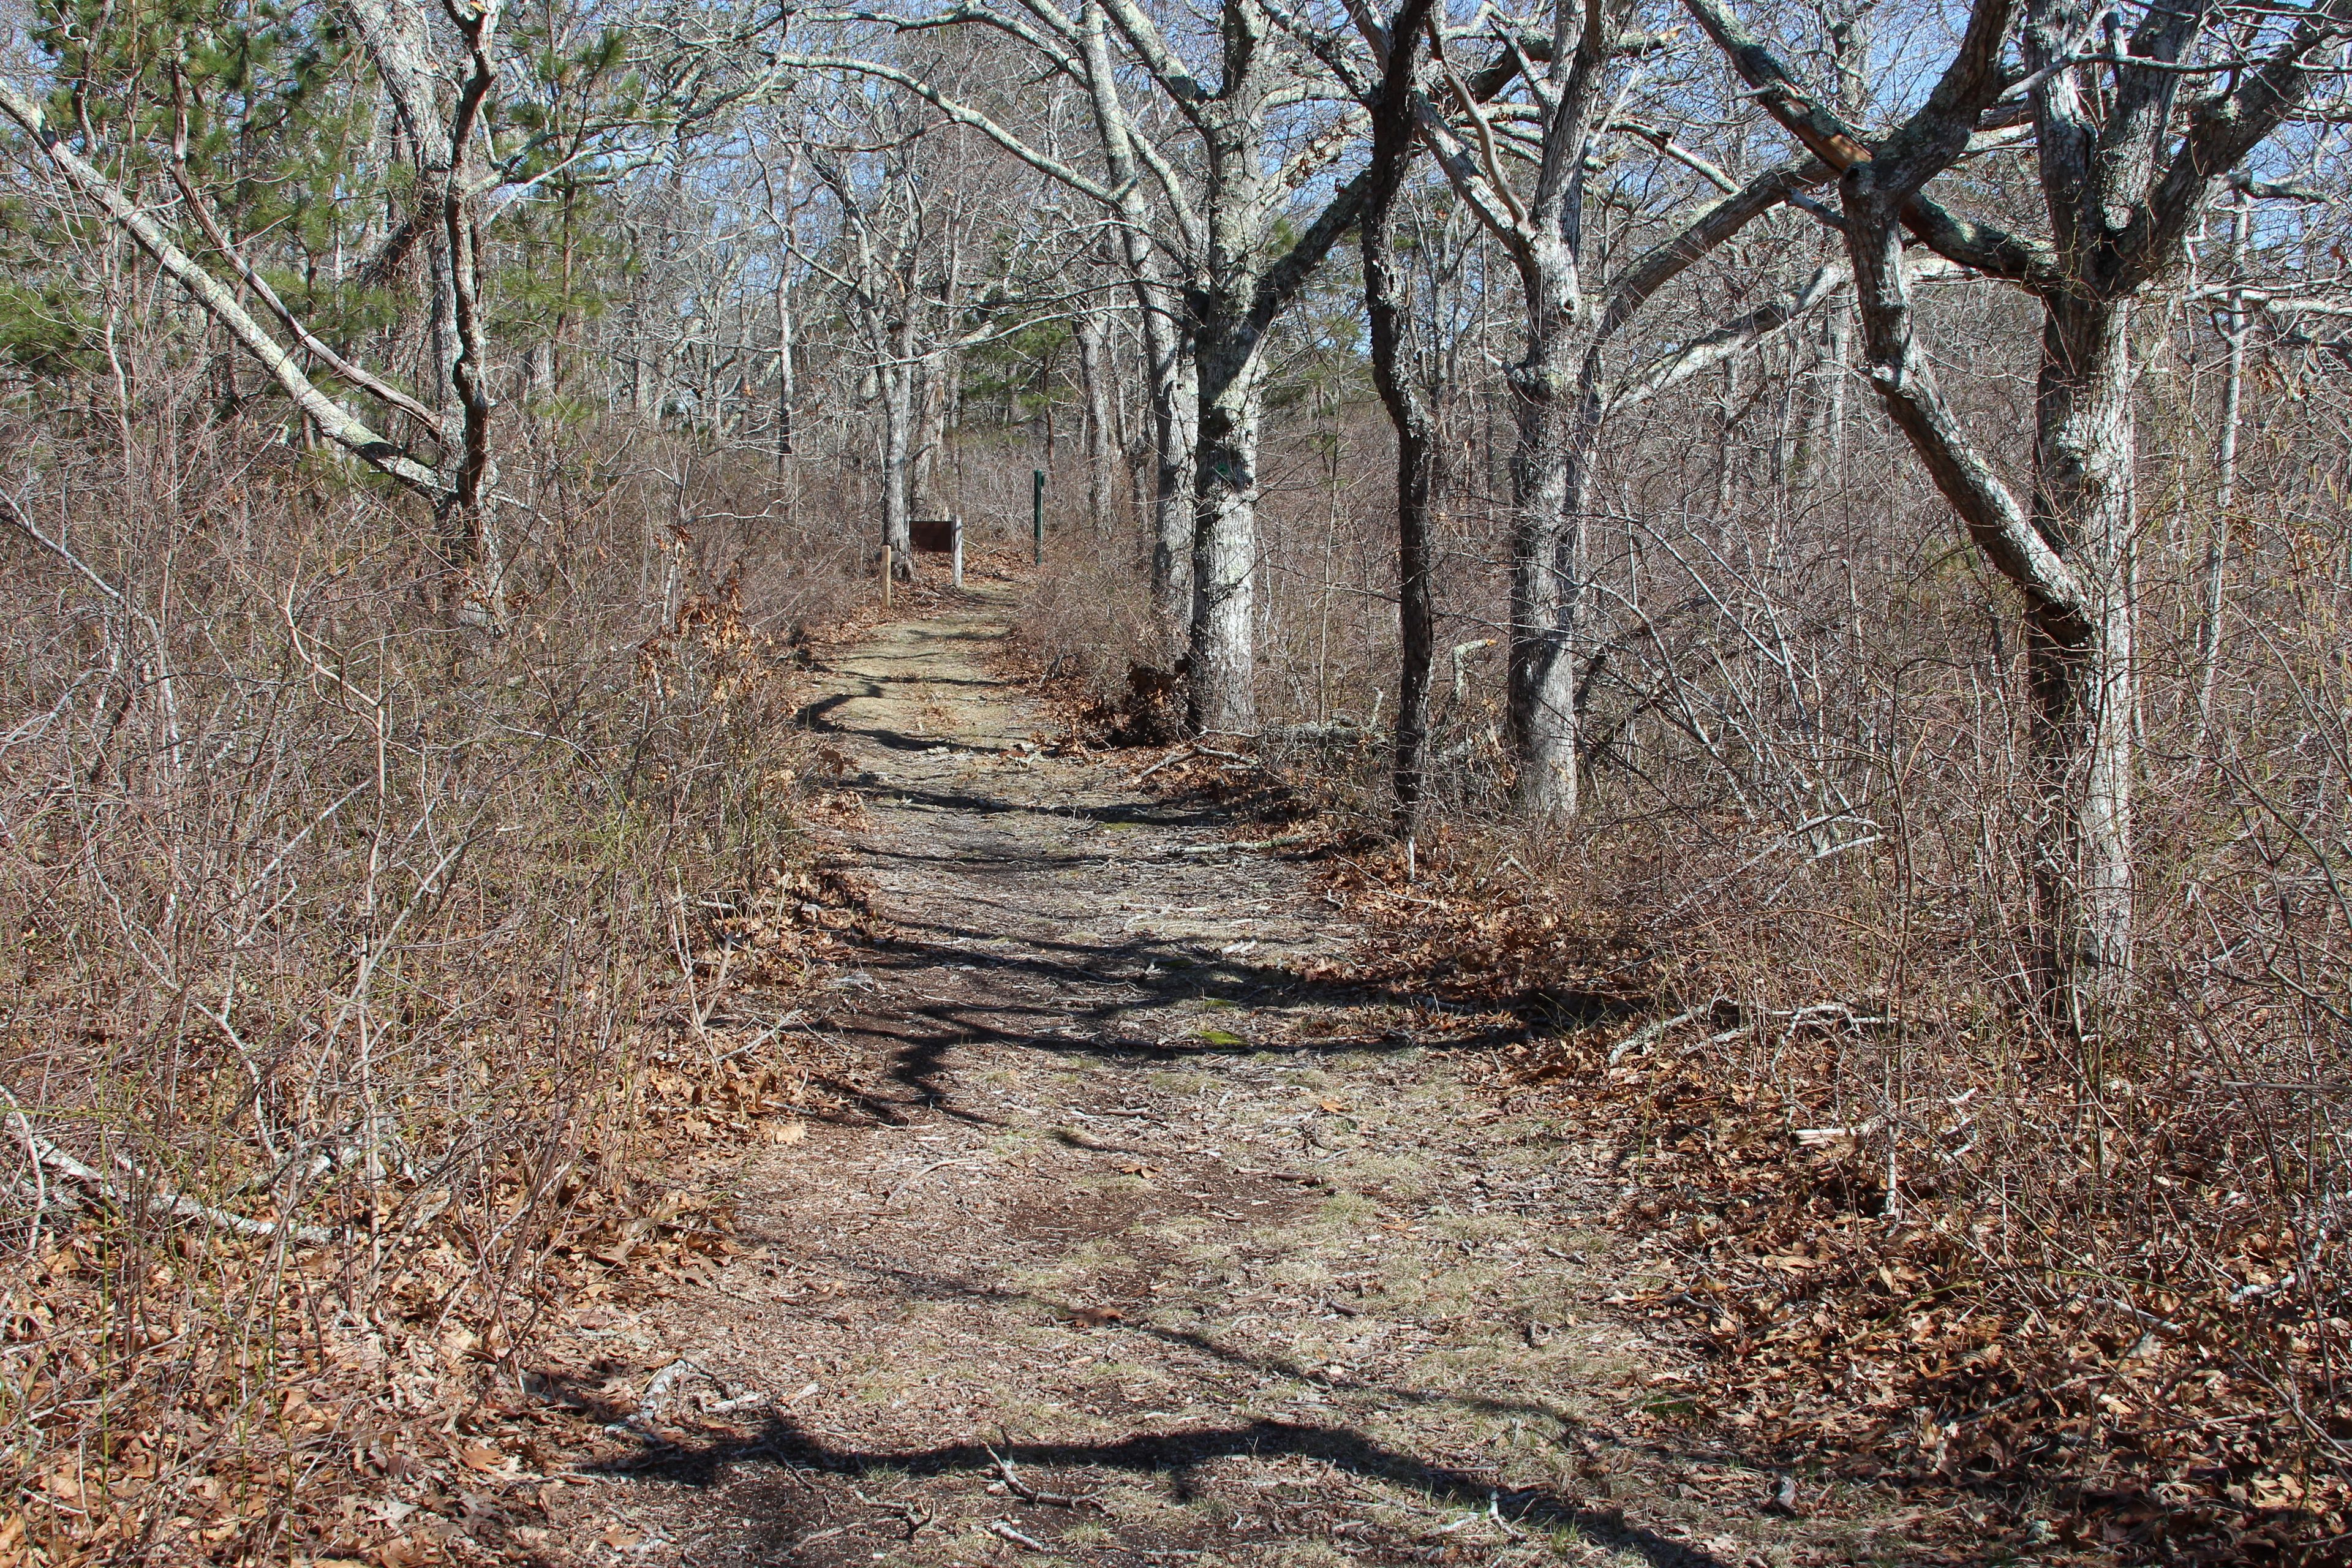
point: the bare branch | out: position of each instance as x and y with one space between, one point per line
338 424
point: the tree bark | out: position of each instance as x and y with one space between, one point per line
1557 420
1175 410
1227 339
1393 130
786 394
1094 375
2079 658
898 448
1223 652
2225 494
930 405
1230 306
397 37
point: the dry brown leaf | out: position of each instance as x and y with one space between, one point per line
482 1458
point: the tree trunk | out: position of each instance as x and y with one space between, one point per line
1837 351
1174 383
2225 494
898 444
2079 665
1726 424
1223 690
398 37
1549 475
785 392
1393 136
1094 373
1226 340
484 601
1175 417
930 400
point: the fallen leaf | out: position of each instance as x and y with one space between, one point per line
480 1457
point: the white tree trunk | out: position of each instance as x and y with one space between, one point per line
1548 469
2225 494
2079 664
1224 534
786 394
1094 375
1175 421
897 452
1227 354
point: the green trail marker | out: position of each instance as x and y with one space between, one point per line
1037 517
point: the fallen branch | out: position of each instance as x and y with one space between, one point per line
48 1155
1238 846
1651 1034
164 1201
1178 755
668 1377
1301 1177
1823 1137
1000 1528
1028 1493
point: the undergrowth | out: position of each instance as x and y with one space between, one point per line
367 973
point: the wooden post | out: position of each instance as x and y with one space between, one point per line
1037 517
958 521
886 576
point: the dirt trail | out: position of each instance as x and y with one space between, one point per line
1229 1258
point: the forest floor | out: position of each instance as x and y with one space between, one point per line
1132 1243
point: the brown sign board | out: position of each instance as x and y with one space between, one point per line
933 536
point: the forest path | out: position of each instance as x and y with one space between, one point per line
1219 1253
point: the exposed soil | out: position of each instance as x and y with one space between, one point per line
1139 1247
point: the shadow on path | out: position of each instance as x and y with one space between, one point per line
1174 1455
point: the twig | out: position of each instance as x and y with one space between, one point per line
1000 1528
822 1534
910 1180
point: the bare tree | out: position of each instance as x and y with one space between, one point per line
1562 391
1396 131
2127 154
441 77
1239 140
